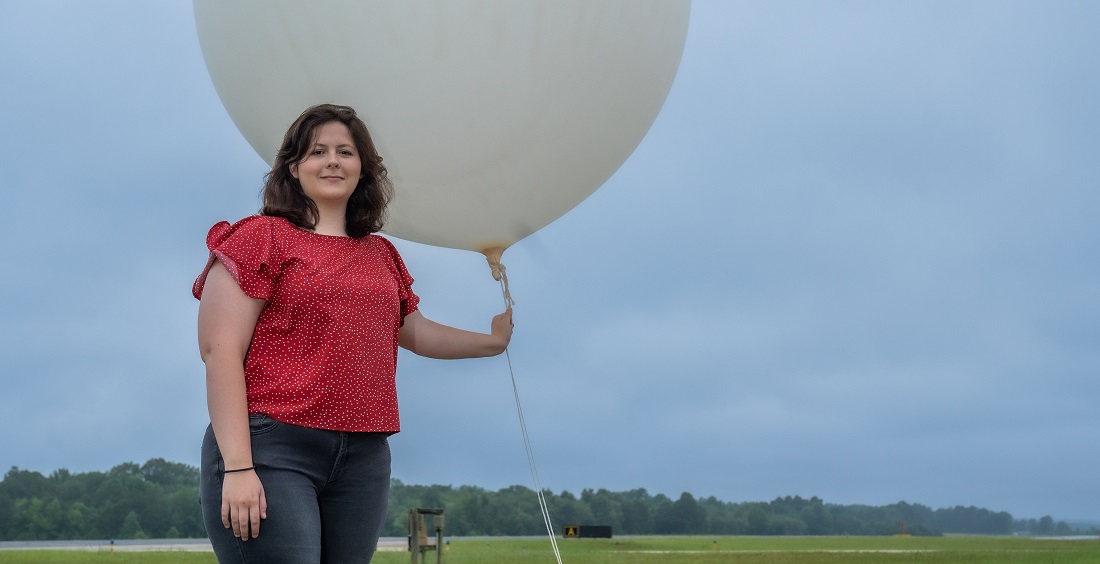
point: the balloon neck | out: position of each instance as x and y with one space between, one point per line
500 274
493 255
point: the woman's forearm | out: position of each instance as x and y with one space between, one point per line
228 406
434 340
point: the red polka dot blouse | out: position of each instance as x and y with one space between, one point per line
324 353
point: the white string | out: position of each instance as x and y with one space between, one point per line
527 444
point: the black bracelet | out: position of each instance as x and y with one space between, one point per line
238 470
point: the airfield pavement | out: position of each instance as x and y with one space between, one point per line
385 544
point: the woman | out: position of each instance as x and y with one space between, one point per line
301 313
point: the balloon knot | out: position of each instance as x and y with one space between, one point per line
500 273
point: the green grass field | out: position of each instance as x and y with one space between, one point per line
680 550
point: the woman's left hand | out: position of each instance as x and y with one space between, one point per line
502 327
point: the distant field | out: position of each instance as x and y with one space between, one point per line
681 550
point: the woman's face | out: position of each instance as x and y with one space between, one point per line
331 168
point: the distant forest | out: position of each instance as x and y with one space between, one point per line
159 499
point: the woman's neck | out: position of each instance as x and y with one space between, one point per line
331 222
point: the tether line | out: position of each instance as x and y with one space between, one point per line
527 441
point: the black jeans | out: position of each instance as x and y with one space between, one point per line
327 495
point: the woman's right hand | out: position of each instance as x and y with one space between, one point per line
243 503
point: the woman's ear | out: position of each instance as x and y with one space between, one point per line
293 167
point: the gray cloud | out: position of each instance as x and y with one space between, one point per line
853 258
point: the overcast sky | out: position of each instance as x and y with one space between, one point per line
857 256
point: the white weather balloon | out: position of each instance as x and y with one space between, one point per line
494 117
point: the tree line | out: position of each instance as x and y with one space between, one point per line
515 511
159 499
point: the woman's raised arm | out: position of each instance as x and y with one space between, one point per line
435 340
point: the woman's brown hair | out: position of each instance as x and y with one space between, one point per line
283 195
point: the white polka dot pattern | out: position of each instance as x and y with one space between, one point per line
324 353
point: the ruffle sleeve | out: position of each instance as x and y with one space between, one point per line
248 251
410 302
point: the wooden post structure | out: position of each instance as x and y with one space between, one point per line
418 534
